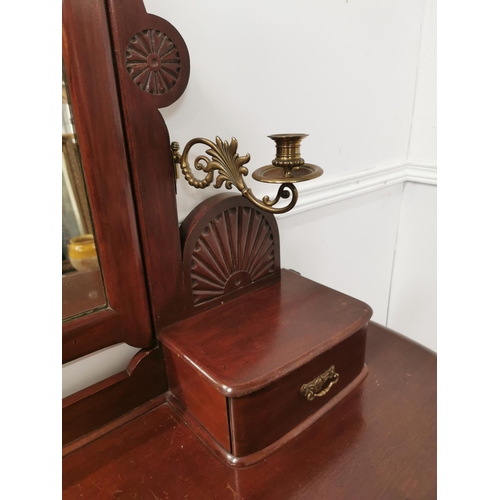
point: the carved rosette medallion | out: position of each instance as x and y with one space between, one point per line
153 61
235 249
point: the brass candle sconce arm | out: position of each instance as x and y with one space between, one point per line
222 159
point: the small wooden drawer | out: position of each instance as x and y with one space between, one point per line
251 374
261 418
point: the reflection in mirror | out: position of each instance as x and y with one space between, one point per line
82 286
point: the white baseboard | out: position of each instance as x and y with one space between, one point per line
362 182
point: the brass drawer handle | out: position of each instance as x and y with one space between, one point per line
315 388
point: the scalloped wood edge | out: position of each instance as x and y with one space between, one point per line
86 413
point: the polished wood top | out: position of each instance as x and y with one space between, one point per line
251 341
379 443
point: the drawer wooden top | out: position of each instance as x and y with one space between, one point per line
247 343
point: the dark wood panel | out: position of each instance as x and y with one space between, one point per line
261 418
229 248
203 400
101 403
89 65
136 37
254 458
379 443
113 424
91 332
82 291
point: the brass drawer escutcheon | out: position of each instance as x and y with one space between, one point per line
315 388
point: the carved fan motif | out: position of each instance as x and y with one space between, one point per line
153 61
235 249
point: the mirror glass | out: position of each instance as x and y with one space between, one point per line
82 285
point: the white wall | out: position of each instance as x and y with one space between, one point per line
360 78
95 367
345 72
413 298
348 246
422 146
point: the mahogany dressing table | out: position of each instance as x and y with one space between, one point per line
252 382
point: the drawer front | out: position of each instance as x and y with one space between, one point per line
261 418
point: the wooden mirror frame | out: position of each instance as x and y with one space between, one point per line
87 54
119 128
148 144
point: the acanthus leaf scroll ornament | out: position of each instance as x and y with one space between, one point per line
153 62
231 171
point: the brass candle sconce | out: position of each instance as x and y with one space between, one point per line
286 169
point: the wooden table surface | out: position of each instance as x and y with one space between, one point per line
378 443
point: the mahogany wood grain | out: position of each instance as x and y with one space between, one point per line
264 453
258 350
113 424
379 443
262 417
88 59
256 339
101 403
136 37
203 400
82 291
229 247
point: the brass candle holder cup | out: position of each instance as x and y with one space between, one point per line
287 168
